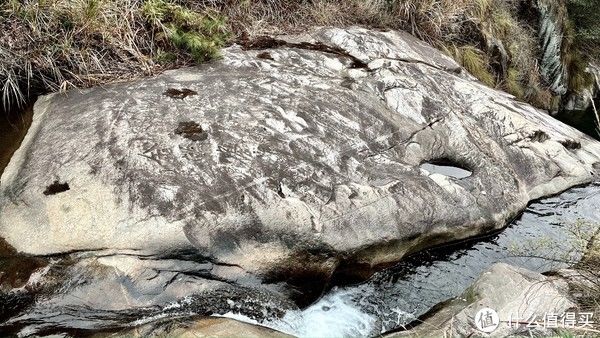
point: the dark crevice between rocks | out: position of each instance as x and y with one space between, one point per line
179 93
268 42
280 191
13 128
447 167
355 269
304 279
583 120
56 188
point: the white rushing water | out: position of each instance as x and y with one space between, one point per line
335 315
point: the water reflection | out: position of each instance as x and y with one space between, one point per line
395 297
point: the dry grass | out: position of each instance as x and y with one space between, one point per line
50 45
485 36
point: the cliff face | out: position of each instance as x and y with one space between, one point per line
283 161
551 31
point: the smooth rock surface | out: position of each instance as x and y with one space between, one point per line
204 327
517 295
287 162
93 292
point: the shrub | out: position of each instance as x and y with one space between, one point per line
586 18
202 34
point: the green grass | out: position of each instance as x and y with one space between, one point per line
202 34
514 83
476 63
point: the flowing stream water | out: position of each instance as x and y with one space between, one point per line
540 239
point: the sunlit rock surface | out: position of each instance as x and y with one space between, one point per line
280 163
521 298
202 327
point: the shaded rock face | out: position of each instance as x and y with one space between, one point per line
286 167
551 32
584 100
517 295
87 293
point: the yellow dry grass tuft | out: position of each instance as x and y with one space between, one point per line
53 45
50 45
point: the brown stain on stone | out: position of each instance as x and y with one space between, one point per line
191 130
179 93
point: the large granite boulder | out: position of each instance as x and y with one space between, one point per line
287 159
197 328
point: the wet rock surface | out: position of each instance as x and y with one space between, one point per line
519 297
269 173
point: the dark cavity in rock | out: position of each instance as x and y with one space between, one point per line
191 130
179 93
446 167
539 136
280 191
56 188
266 42
571 144
265 56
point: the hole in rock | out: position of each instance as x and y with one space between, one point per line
446 167
571 144
56 188
191 130
265 56
179 93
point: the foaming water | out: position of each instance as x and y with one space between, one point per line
396 297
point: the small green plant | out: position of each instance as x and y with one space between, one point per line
200 34
514 83
475 62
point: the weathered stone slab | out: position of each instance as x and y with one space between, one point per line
288 161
